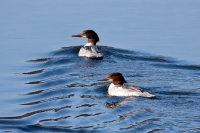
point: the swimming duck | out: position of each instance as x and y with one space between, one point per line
119 87
90 49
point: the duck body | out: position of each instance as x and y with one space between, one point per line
90 50
127 90
119 87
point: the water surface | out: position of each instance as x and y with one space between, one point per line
46 87
60 92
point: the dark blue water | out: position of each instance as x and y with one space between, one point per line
60 92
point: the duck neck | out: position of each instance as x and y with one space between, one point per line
119 82
92 40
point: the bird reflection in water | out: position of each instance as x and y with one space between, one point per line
119 103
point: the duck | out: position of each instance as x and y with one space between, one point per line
119 87
90 49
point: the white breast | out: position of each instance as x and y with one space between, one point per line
90 51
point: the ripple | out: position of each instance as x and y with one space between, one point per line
140 123
34 72
35 112
86 105
87 115
39 60
60 92
56 119
48 100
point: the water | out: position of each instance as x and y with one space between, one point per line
46 87
61 92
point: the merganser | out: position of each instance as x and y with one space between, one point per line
119 87
90 49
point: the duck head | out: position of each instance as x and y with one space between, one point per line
90 34
117 78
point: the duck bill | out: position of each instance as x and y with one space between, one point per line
105 79
79 35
